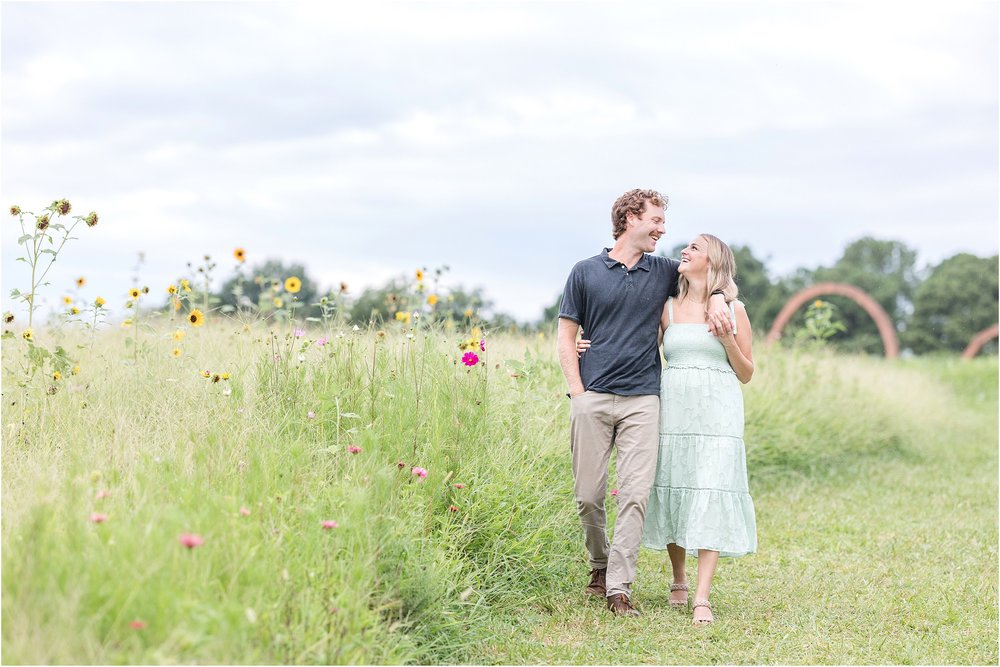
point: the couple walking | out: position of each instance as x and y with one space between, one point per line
681 462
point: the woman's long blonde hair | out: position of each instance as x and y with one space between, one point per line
721 271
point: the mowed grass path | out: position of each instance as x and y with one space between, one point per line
881 560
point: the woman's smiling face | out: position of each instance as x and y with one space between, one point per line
694 258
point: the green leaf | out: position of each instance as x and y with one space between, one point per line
23 239
14 293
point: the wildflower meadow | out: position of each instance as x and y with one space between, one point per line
187 483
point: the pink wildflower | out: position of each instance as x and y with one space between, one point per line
327 525
470 359
311 415
614 492
482 345
244 511
420 472
353 449
321 341
137 625
97 517
191 540
459 486
103 493
299 333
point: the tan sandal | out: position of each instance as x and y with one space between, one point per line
677 604
707 605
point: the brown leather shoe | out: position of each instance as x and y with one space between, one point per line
620 605
598 583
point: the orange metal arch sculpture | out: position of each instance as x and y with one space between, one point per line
980 339
885 328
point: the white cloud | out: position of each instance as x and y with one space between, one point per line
496 135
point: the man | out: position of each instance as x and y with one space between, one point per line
618 297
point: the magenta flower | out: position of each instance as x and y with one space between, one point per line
103 493
482 345
97 517
614 492
353 449
311 415
137 625
244 511
191 540
459 486
299 333
327 525
420 472
470 359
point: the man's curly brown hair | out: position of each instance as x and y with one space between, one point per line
633 201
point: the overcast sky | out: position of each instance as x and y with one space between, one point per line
492 137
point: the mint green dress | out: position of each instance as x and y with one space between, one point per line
700 497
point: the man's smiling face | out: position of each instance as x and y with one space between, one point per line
646 229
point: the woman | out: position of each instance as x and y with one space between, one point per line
700 503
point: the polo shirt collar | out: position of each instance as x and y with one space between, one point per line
643 262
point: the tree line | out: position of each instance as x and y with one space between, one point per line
935 308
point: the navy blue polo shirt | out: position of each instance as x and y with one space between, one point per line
619 309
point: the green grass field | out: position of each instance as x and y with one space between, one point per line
875 484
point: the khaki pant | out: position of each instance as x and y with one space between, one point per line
599 422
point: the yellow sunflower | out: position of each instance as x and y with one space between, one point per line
172 289
420 275
186 285
432 300
240 255
293 285
278 303
56 376
76 369
176 352
468 313
99 302
134 293
81 281
74 310
178 335
28 334
67 300
196 318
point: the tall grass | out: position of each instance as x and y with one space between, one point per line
417 571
